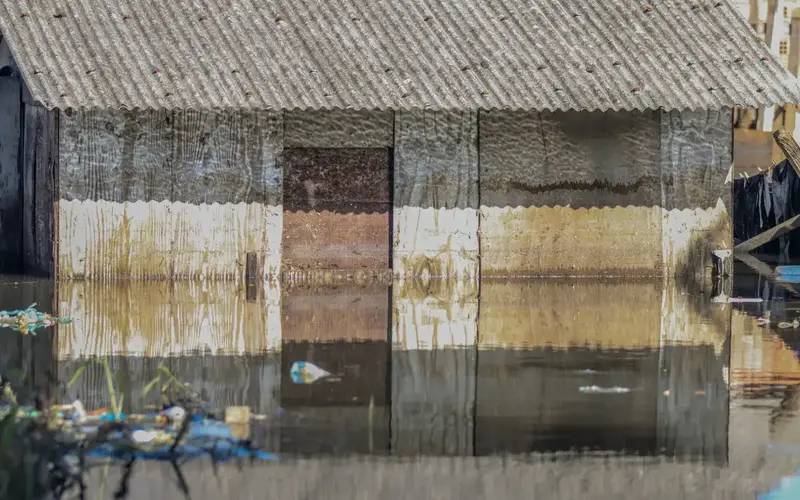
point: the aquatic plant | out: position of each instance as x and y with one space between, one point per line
111 387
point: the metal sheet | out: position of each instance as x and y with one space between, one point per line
385 54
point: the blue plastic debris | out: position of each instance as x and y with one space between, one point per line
205 437
28 321
788 270
304 372
788 489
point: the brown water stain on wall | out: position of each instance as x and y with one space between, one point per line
565 241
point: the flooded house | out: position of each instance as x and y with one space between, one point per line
221 139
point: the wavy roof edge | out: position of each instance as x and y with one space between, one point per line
513 55
230 109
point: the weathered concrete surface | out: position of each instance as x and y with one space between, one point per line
604 193
696 163
570 193
10 195
436 195
338 129
561 194
160 194
161 319
337 203
190 156
166 240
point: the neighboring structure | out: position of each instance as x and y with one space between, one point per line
777 23
432 138
761 15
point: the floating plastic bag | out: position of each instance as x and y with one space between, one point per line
304 372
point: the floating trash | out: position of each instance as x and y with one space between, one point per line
724 299
595 389
788 270
304 372
28 321
787 324
787 489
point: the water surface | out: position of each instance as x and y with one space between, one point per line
573 389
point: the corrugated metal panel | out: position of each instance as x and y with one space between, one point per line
398 54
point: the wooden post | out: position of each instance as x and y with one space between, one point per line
789 147
768 235
251 275
774 35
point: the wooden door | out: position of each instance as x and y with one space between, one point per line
337 206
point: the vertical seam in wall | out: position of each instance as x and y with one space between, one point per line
478 207
393 196
22 262
54 197
391 199
390 329
663 211
478 282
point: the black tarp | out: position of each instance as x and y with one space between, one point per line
763 201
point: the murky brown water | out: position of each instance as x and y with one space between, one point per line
562 389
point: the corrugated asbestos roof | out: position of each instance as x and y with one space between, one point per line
392 54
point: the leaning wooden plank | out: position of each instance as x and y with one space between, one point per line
789 147
755 264
768 235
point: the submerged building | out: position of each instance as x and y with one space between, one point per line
220 139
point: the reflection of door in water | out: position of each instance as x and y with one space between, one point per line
336 208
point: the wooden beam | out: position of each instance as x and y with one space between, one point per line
789 147
768 235
756 265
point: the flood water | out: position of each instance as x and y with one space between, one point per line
513 389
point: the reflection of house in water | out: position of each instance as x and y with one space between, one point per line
524 366
343 331
539 343
27 362
374 150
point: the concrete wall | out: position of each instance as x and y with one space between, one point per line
603 193
436 194
696 166
164 194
